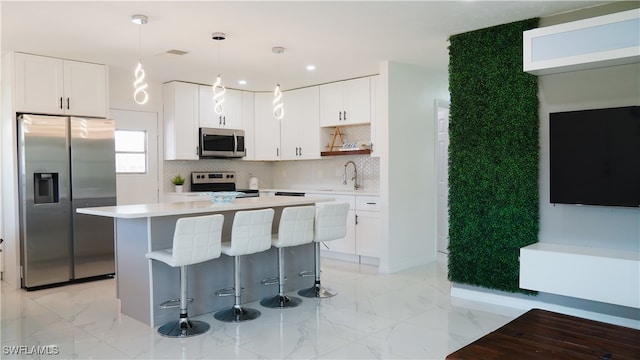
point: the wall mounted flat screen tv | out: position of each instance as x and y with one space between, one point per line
595 156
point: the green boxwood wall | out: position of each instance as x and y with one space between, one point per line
493 156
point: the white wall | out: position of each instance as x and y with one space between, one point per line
588 225
596 226
407 165
8 170
121 91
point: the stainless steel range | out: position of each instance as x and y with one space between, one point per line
218 181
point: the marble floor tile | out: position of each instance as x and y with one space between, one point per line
407 315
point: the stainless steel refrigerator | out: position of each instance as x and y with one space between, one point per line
65 163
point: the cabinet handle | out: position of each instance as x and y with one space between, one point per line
340 115
60 102
219 120
67 103
356 219
345 115
198 150
301 151
224 120
278 152
371 203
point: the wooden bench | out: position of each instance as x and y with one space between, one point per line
541 334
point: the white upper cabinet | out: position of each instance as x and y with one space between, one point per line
345 102
248 113
63 87
180 121
300 126
231 117
600 41
266 129
376 113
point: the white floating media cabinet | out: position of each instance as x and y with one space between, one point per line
605 275
606 40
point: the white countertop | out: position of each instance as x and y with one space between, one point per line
197 207
326 191
309 191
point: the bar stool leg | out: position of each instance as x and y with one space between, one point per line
237 313
184 327
317 290
281 301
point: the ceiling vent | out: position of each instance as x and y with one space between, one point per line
176 52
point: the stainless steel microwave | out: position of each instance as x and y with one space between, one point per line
221 143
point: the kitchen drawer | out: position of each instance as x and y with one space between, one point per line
351 199
370 203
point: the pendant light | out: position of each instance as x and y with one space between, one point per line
218 88
278 105
140 86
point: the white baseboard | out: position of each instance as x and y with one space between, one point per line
527 304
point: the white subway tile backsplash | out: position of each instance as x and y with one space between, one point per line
326 173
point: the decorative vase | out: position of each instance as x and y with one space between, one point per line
178 188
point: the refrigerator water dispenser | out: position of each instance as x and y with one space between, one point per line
45 188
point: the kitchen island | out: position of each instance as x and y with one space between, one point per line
143 284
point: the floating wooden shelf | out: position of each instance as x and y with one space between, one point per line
347 152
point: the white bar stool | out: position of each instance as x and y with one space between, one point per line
250 233
330 224
295 228
195 240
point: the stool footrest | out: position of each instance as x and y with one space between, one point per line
230 291
306 273
173 303
270 281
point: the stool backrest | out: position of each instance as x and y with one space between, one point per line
331 221
296 226
197 239
251 231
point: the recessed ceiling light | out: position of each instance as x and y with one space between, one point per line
242 82
311 67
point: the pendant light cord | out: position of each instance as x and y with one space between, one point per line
140 95
140 43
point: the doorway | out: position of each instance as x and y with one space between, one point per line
442 222
136 156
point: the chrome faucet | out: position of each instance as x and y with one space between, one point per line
356 186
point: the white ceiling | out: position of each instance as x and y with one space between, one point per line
343 39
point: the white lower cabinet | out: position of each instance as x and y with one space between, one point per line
363 227
367 226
